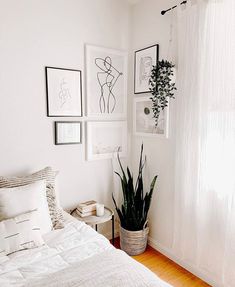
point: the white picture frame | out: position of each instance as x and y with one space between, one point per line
106 82
69 132
104 138
145 59
144 122
64 92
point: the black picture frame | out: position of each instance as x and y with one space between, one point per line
48 91
155 52
56 127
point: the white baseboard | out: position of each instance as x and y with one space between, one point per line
193 269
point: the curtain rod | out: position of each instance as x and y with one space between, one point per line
165 11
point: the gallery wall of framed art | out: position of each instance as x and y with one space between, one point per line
105 100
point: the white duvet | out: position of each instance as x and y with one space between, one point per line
74 256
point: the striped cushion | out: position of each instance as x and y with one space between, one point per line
20 233
48 175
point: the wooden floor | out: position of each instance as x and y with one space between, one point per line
166 269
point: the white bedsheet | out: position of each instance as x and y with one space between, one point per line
64 248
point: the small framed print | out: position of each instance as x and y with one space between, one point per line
68 133
144 121
145 59
64 92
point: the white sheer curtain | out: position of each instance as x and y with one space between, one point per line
204 234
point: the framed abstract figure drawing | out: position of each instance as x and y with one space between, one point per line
106 79
64 92
143 121
105 138
145 59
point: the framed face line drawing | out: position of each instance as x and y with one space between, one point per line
145 59
64 92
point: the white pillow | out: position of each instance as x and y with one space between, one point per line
20 233
49 176
18 200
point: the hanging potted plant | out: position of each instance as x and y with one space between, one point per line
162 86
133 213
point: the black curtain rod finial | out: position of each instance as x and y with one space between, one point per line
163 12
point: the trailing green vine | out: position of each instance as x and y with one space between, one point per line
161 87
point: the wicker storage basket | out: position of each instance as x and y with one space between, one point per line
133 242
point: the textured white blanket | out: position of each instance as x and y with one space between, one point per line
109 268
74 256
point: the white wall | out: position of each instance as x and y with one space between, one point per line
39 33
148 27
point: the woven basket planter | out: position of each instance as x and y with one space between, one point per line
133 242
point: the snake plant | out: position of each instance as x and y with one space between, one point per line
136 203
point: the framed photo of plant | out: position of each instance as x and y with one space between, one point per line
145 59
144 123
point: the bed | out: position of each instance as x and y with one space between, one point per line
74 256
41 245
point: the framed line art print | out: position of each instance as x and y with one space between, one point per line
105 138
145 59
64 92
144 122
68 133
106 82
